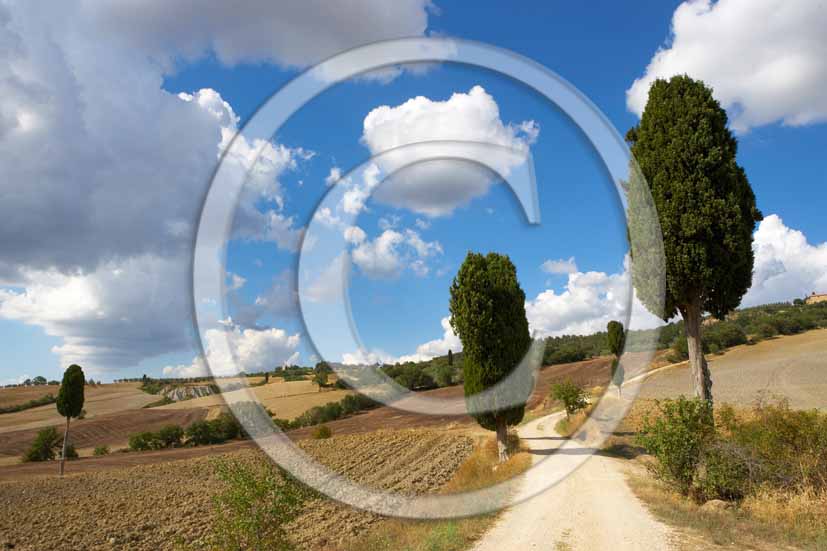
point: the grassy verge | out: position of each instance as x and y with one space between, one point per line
567 426
768 521
767 518
480 470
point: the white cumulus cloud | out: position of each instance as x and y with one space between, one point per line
436 187
290 33
589 301
386 256
561 266
787 266
250 350
763 58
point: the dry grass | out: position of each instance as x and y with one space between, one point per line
768 521
480 470
801 513
569 425
13 396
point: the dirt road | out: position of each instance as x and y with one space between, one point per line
591 508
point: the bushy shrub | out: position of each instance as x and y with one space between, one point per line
321 432
170 436
143 441
225 427
789 446
350 404
573 397
250 416
283 424
44 447
723 335
772 447
71 452
101 450
723 472
201 433
257 502
677 437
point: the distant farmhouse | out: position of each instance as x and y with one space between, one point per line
814 298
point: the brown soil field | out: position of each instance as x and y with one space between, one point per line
161 506
100 400
112 429
588 373
22 394
792 367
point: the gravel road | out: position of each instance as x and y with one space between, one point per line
591 508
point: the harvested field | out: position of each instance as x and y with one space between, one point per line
112 429
589 373
100 400
158 506
22 394
286 400
792 367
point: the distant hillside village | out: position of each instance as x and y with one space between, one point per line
815 298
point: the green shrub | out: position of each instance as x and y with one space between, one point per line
71 452
766 331
143 441
44 447
283 424
790 446
201 433
257 501
225 427
677 437
101 450
723 472
723 335
249 416
321 432
573 397
170 436
350 404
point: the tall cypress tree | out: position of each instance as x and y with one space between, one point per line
70 401
488 314
705 206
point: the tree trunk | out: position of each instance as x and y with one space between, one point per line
502 440
701 379
63 452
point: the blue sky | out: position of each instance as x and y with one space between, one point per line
120 302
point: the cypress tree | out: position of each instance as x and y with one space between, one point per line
705 206
616 338
488 314
70 401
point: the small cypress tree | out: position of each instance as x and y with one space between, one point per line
450 357
70 401
617 339
488 314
